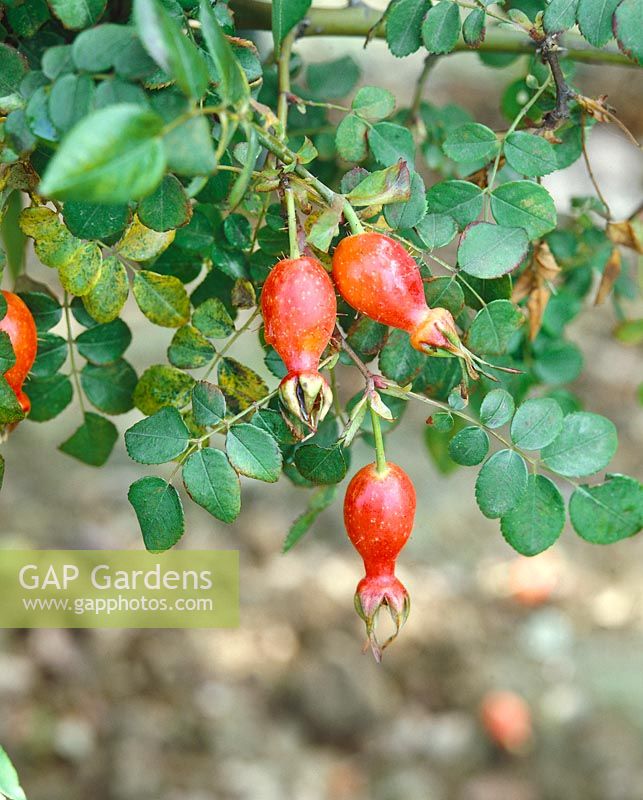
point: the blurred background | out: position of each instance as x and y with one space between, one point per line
287 706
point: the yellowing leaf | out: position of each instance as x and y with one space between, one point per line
142 244
162 298
108 295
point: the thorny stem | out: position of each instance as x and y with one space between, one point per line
361 366
282 152
380 457
550 55
283 72
72 355
292 222
358 20
352 218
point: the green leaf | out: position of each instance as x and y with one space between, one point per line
157 439
97 49
493 326
525 205
444 292
112 156
530 155
212 319
95 220
161 385
497 408
404 26
45 309
441 27
77 14
104 344
585 444
28 17
325 228
189 148
49 396
390 185
189 349
109 387
390 142
366 336
233 85
167 208
559 362
630 331
594 19
250 155
538 519
328 80
560 15
609 512
52 354
159 511
241 385
322 465
208 404
436 230
7 356
12 238
628 29
71 99
399 361
238 231
93 442
319 501
469 446
107 296
473 28
459 199
373 103
10 410
471 142
285 15
408 213
501 483
350 138
253 452
12 71
173 51
162 298
489 251
213 484
537 423
9 782
273 423
442 422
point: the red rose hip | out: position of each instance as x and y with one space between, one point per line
379 509
19 325
377 276
299 311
